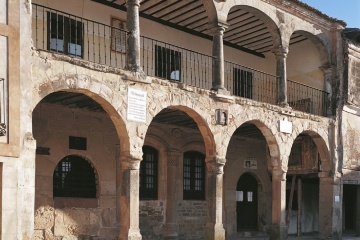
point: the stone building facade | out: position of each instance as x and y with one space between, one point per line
191 119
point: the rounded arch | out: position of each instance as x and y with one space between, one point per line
270 20
321 144
201 123
319 40
95 92
268 135
75 176
211 11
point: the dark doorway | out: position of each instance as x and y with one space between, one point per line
247 203
349 206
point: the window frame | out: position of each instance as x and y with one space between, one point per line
167 62
145 174
67 26
189 177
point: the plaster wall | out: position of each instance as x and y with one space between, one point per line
353 90
3 84
52 126
351 141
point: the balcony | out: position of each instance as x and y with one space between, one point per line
78 37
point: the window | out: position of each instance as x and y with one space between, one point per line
194 176
65 35
118 35
242 83
167 63
149 174
74 177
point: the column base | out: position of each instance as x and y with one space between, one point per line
130 235
278 232
137 75
171 231
216 232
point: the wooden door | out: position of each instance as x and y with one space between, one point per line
247 203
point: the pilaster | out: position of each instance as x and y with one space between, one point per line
171 225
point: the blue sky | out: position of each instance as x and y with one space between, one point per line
346 10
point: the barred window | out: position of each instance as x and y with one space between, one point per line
118 35
194 176
74 177
243 83
149 174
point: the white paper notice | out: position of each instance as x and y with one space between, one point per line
136 108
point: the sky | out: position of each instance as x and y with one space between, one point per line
346 10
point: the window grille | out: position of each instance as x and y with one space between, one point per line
65 35
74 177
194 176
167 63
149 174
118 35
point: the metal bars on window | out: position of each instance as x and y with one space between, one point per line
194 176
149 174
78 37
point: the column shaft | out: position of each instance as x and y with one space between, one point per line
278 229
218 60
214 195
133 39
129 198
281 54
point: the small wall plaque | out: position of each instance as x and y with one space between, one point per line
43 151
285 126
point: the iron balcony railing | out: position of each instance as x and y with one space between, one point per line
307 99
96 42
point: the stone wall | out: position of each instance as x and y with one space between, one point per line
58 218
192 218
152 219
353 73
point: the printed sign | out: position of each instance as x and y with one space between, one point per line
136 108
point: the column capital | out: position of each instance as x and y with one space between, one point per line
218 27
131 161
327 69
280 52
279 173
216 164
133 2
173 158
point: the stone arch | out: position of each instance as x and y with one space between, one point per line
268 134
211 11
95 90
264 15
240 173
202 124
319 40
323 148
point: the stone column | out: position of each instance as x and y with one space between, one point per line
328 78
281 54
278 221
171 225
133 39
218 60
128 180
330 207
214 196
